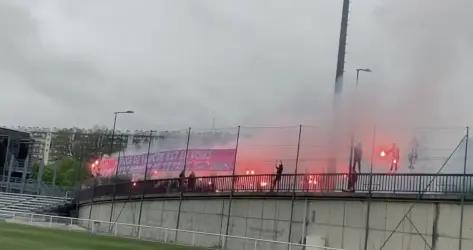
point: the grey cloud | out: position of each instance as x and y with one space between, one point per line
67 80
251 62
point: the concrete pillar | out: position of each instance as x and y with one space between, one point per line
23 175
39 179
54 173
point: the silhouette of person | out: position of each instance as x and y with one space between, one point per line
279 170
413 154
182 177
191 181
357 156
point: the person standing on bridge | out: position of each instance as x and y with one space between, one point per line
182 178
353 175
395 158
279 169
412 156
357 156
191 181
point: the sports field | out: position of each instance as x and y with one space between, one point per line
19 237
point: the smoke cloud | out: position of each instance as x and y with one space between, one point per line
179 64
419 52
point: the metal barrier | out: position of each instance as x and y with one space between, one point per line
13 179
155 234
31 187
323 183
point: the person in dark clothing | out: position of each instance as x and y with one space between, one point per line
357 156
182 178
413 154
279 169
352 174
191 181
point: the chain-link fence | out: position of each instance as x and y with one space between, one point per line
371 160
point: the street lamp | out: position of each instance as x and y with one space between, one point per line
114 125
356 104
118 161
358 73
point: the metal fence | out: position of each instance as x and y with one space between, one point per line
322 183
153 233
31 186
316 160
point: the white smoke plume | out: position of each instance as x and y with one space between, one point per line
419 52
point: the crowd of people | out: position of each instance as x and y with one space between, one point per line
356 156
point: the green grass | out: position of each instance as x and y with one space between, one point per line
19 237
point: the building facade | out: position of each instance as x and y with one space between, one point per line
15 159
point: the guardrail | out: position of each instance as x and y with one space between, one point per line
31 186
323 183
66 198
13 179
156 234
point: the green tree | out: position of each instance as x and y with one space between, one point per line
69 172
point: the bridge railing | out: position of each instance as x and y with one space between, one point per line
321 183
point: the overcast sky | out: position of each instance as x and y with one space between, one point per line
251 62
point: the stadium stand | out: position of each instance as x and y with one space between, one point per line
25 203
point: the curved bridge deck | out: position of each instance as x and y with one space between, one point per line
377 186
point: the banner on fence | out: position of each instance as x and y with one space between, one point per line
168 163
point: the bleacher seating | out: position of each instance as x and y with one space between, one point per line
28 203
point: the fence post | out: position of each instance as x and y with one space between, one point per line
115 229
145 177
294 185
139 232
31 219
256 244
70 226
420 184
395 183
224 241
232 190
463 189
193 239
181 186
50 221
370 191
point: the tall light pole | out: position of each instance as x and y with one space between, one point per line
118 160
350 163
337 121
114 125
371 163
342 43
358 74
144 180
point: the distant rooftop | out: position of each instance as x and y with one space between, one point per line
14 133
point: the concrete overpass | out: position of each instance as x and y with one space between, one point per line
386 211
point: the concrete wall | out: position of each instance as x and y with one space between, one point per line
340 223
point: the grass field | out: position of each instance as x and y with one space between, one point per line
19 237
